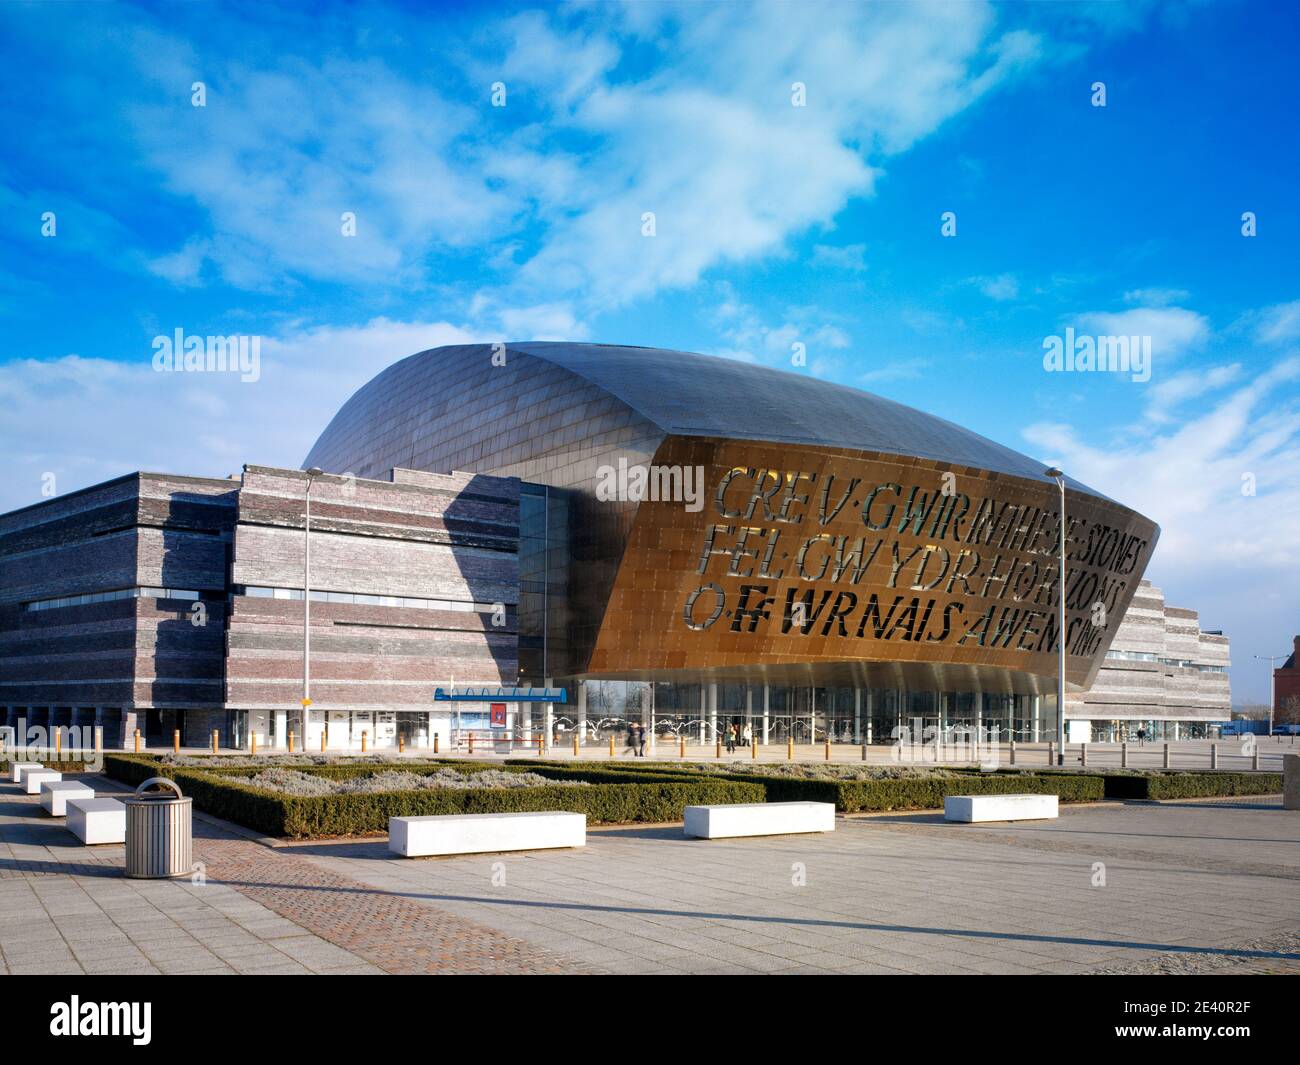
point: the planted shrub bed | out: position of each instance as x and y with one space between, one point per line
1190 785
609 797
905 788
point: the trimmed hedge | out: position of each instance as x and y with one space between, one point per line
65 766
1191 785
905 793
924 794
611 798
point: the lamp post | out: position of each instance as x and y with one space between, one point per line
1272 685
312 474
1059 478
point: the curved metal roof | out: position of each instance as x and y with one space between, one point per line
702 395
677 392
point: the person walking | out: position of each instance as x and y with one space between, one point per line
631 738
731 739
640 735
748 735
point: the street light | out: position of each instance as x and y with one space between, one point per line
1272 684
1059 478
312 474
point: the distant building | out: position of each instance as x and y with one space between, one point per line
1162 673
1286 688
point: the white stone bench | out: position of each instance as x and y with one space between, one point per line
759 819
97 820
34 778
17 769
974 808
413 837
56 793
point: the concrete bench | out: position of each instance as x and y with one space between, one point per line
413 837
97 820
759 819
17 769
56 793
974 808
34 778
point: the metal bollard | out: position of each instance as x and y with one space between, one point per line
1051 752
1166 756
58 744
611 745
291 741
435 743
471 743
99 739
252 742
1013 752
1254 758
753 750
717 752
864 752
365 741
137 741
575 745
1214 756
325 732
789 749
176 740
401 744
1123 755
1083 754
214 741
541 744
682 739
828 749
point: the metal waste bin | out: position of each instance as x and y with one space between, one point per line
158 832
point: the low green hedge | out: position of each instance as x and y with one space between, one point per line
46 760
907 793
610 798
921 793
1190 785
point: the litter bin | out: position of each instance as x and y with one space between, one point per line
158 832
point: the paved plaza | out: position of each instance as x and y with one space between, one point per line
1197 886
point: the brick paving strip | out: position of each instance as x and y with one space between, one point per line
399 935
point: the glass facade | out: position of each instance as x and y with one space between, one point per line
775 714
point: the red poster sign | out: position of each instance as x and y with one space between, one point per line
498 715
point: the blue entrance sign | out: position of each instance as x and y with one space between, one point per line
496 695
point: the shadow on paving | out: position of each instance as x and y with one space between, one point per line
801 922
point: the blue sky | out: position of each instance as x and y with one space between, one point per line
774 225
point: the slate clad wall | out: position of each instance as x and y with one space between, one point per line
140 530
448 537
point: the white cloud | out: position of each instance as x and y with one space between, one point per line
598 136
901 370
114 417
1170 392
1156 297
1279 324
1002 287
846 257
1231 555
1173 330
